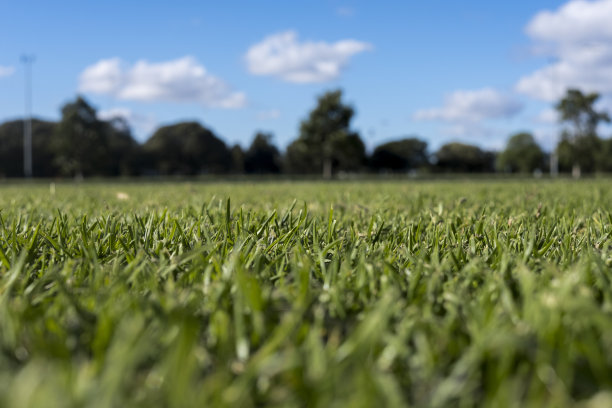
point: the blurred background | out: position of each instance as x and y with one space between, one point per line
324 87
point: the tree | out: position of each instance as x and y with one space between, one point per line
581 155
459 157
237 155
262 157
400 156
604 158
522 154
80 142
11 148
84 145
187 148
580 142
326 143
123 149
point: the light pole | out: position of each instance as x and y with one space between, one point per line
27 60
554 163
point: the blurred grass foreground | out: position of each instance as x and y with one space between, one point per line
306 294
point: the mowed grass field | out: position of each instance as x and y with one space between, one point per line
402 293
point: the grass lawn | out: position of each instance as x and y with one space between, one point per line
398 293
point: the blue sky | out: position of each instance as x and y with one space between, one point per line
472 71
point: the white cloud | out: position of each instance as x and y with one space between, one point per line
282 56
6 71
268 114
180 80
578 36
104 77
472 106
576 21
143 123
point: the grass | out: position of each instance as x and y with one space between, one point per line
306 294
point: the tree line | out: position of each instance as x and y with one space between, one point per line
83 145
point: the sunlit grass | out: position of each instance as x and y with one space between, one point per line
307 294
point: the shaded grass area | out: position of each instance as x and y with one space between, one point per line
306 294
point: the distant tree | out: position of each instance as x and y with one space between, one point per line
459 157
345 153
584 153
85 145
326 143
80 141
187 148
580 142
565 153
400 155
578 109
604 157
11 148
522 154
124 150
237 155
299 159
262 157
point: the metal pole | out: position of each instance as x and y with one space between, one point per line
554 164
27 60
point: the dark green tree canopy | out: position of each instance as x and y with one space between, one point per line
326 143
604 156
262 157
328 118
460 157
84 145
125 152
578 109
580 146
80 141
237 155
584 152
187 148
11 148
522 154
400 155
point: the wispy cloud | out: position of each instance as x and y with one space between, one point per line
283 56
468 130
578 36
471 106
143 123
268 114
181 80
475 132
6 71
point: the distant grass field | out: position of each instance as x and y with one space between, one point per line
427 294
